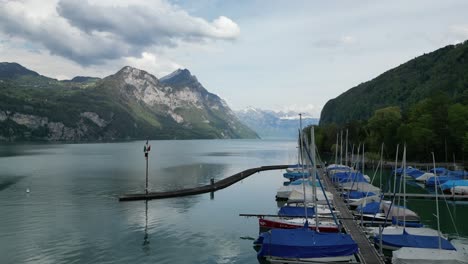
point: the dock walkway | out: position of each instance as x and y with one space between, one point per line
201 189
367 252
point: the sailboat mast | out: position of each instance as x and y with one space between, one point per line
314 173
341 147
381 165
437 203
363 159
302 162
336 150
396 167
346 148
404 187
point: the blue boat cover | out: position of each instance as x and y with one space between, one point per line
453 183
439 171
408 223
299 182
409 170
415 241
415 173
357 194
458 173
297 211
440 180
296 175
348 177
370 208
305 243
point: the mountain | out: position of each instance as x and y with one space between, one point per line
14 70
271 124
130 104
444 70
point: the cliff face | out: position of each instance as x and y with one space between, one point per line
129 104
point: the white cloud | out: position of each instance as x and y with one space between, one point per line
92 33
153 64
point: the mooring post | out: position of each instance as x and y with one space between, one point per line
212 182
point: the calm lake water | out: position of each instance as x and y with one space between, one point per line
72 213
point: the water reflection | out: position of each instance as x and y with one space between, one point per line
7 181
192 175
146 241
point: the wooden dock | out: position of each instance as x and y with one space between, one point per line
429 196
367 252
201 189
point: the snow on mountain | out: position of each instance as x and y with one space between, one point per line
274 124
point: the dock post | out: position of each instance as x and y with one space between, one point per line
146 188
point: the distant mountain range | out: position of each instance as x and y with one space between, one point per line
130 104
274 124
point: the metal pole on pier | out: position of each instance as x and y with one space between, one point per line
146 150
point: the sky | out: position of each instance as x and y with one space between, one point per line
276 55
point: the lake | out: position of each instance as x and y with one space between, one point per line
72 213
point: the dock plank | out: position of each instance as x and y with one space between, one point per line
367 252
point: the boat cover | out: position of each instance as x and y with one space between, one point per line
370 208
408 240
361 186
297 211
305 243
357 194
400 213
342 177
298 196
440 180
439 171
296 175
458 173
408 223
453 183
364 200
408 255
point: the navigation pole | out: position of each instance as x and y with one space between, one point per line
146 150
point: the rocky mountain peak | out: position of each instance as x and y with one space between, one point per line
136 77
180 77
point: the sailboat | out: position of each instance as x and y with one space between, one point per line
303 244
394 241
444 253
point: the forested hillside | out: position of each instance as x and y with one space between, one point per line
422 103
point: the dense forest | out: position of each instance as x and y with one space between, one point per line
422 103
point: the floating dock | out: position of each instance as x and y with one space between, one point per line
214 186
367 252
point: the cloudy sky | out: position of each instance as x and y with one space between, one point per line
269 54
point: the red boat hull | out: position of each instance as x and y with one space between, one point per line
266 223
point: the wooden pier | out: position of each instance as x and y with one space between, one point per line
214 186
367 252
